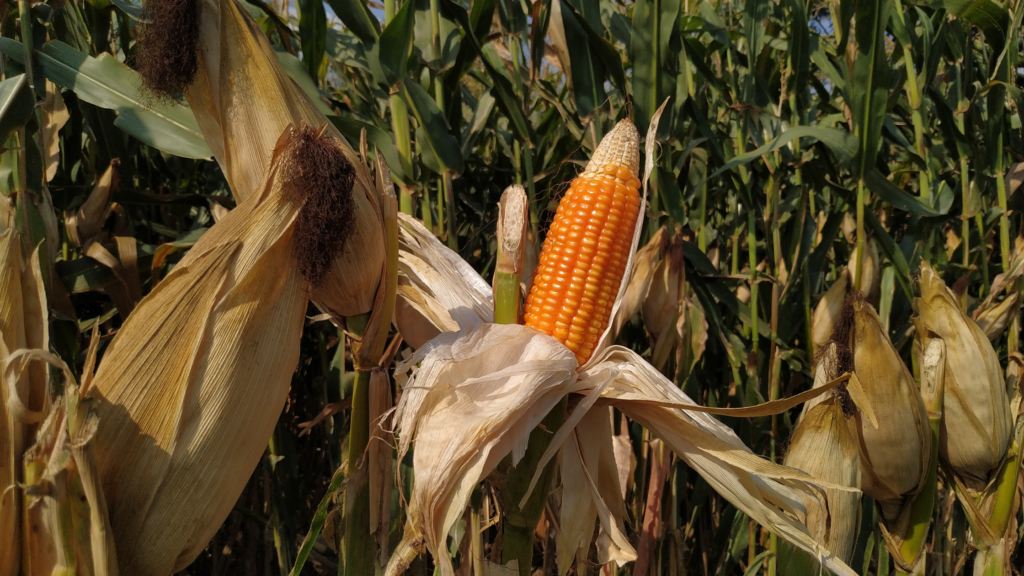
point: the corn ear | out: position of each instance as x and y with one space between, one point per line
244 101
895 454
192 382
976 423
824 446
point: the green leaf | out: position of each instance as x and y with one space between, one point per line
507 100
892 252
841 143
892 194
109 84
319 519
351 128
134 12
582 67
356 15
870 88
16 104
991 17
654 23
312 34
449 37
481 113
443 145
395 44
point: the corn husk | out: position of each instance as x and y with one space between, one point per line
23 324
824 446
661 307
994 319
192 385
976 423
591 488
896 453
645 263
243 101
823 319
64 507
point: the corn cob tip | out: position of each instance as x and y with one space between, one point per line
620 147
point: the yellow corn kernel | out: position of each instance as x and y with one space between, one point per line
587 247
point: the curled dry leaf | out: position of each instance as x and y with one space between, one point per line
86 223
645 262
55 115
994 320
23 325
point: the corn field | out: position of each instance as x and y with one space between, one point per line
499 288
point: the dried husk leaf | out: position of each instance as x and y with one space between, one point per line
64 508
823 320
488 385
645 262
192 385
994 320
661 307
692 330
451 288
244 101
894 455
976 424
55 115
86 223
770 494
824 446
23 324
591 489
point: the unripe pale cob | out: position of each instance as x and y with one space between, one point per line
587 247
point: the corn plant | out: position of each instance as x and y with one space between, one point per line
264 307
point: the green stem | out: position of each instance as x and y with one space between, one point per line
359 544
859 266
914 95
400 127
506 297
519 523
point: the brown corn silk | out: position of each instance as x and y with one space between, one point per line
588 245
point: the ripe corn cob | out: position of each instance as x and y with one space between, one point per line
587 247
